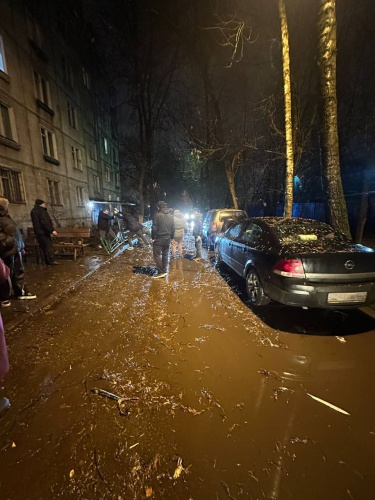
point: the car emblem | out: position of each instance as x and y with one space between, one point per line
349 264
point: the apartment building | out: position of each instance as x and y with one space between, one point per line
58 131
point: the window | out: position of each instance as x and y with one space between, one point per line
54 192
235 230
79 193
96 183
93 151
35 33
72 116
86 79
252 234
48 143
77 158
42 89
7 124
107 174
105 145
117 179
67 71
12 185
2 56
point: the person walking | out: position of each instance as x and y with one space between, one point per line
162 234
11 250
198 233
104 225
43 229
4 361
135 228
179 231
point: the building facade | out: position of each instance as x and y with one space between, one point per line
58 130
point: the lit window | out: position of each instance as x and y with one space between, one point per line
72 116
42 89
107 174
7 124
86 79
77 158
54 192
105 145
96 183
79 192
48 142
12 186
2 56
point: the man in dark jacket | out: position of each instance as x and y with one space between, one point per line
11 250
134 227
43 229
162 234
104 225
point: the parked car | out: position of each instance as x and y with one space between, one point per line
298 262
214 219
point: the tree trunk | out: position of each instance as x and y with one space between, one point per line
231 184
289 177
337 210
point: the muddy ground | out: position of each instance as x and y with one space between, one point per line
210 399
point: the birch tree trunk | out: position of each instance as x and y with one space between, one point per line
338 215
289 174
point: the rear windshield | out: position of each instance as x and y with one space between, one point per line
231 214
307 232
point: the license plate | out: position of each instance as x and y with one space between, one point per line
346 298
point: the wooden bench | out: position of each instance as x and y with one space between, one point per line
71 241
31 246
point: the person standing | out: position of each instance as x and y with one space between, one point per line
11 249
104 225
135 228
162 234
43 229
179 231
198 233
4 361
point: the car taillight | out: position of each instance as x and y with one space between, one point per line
292 268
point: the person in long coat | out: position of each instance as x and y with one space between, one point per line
43 229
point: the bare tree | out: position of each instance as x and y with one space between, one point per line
337 209
289 177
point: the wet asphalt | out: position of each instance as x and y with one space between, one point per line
126 387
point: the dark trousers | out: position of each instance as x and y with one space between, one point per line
161 252
17 274
140 233
46 246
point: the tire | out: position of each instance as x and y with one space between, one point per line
255 290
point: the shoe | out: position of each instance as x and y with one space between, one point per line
160 275
99 246
26 296
5 303
197 259
130 248
4 405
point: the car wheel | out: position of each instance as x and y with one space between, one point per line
255 290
